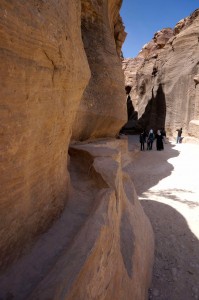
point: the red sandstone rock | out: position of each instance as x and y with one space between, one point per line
44 71
102 111
112 255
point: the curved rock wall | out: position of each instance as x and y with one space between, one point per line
102 246
44 71
102 111
111 257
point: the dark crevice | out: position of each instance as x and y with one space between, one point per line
153 117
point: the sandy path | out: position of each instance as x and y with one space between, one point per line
167 184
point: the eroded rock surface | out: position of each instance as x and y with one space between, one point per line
102 247
42 64
133 68
102 111
167 80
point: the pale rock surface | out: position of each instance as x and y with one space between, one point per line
130 68
178 66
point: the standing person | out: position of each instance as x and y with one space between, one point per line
163 132
150 139
148 144
145 134
159 141
178 140
142 140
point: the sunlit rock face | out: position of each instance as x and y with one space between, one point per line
102 111
166 82
179 66
44 71
130 67
107 246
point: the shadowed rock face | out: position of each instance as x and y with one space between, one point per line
146 58
112 254
101 247
169 60
42 64
102 111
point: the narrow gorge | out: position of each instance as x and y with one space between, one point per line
71 224
163 80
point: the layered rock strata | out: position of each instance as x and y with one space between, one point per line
102 111
44 71
139 72
112 255
167 80
103 246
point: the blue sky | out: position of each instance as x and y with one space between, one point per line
143 18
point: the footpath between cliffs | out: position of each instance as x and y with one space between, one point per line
168 188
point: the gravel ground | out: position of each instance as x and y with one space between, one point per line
167 184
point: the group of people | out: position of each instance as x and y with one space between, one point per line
149 138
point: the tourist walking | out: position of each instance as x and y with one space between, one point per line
163 132
179 135
159 141
150 140
142 140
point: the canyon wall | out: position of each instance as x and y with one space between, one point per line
102 245
44 71
166 80
111 257
102 111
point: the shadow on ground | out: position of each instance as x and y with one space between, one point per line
147 160
176 267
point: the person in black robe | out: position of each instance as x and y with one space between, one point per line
142 140
159 141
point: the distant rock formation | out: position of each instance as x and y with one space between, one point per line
165 81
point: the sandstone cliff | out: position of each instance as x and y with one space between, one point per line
166 80
102 111
102 245
42 64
